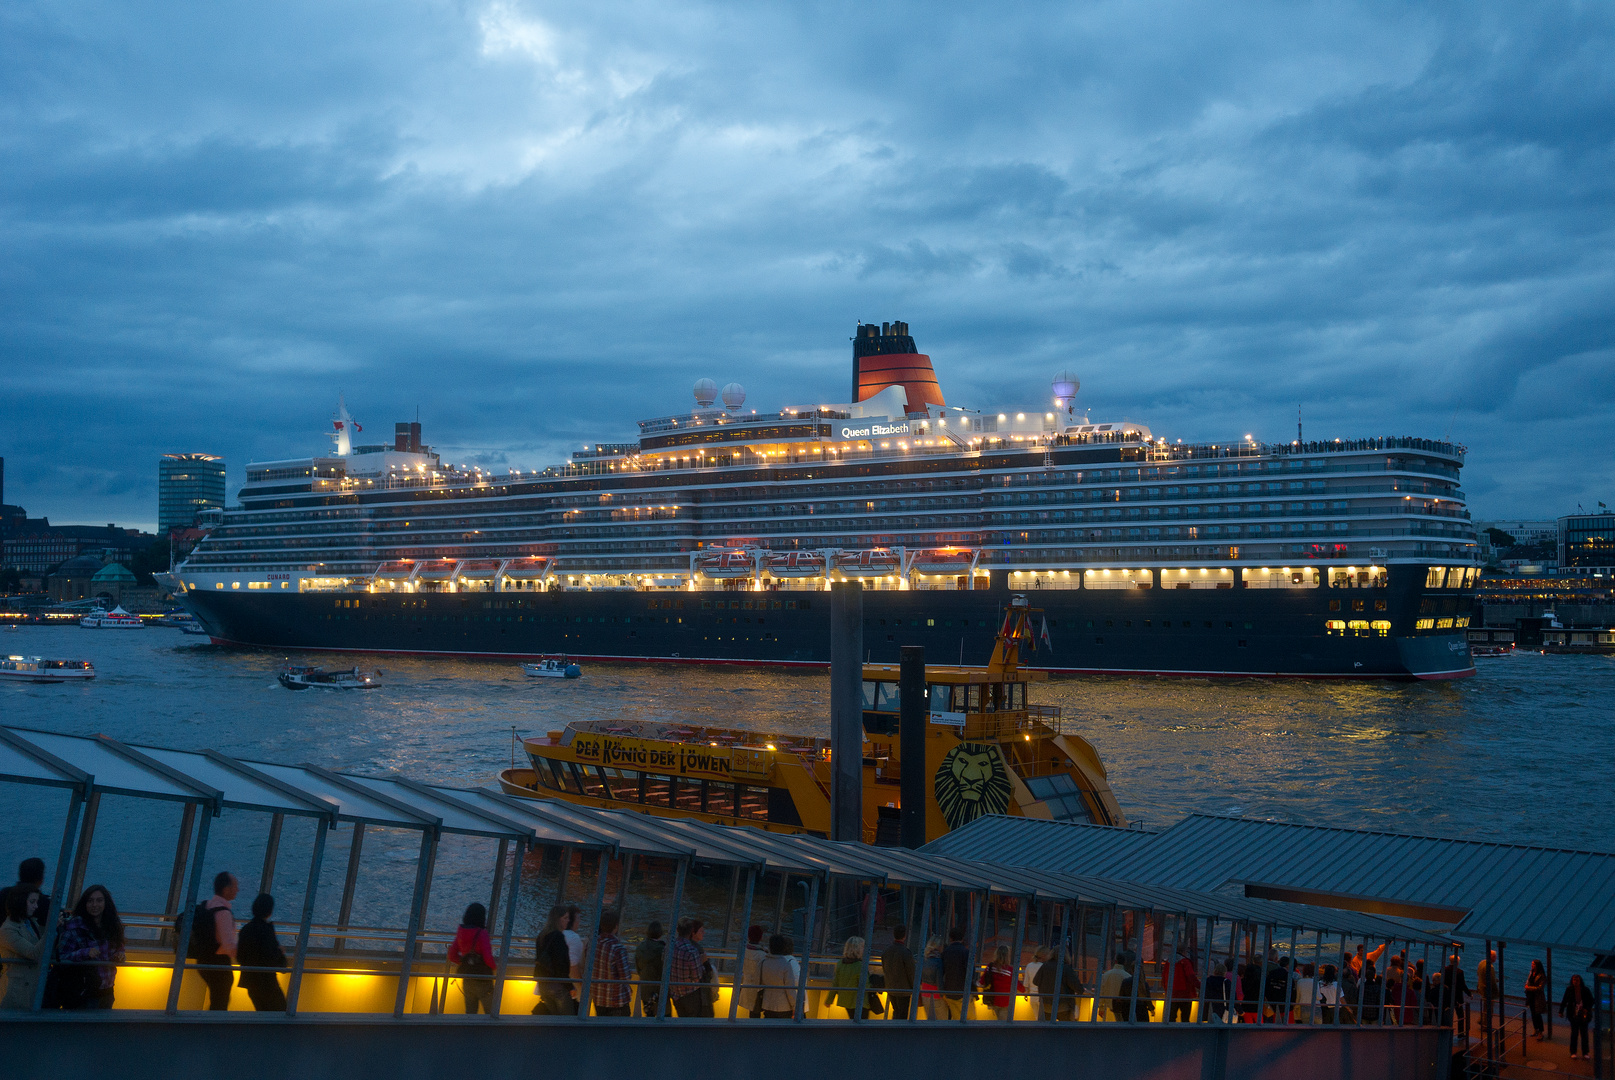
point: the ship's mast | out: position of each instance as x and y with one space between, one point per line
344 429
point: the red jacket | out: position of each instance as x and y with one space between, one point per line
997 981
1185 982
472 939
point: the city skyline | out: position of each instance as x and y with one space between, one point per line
538 225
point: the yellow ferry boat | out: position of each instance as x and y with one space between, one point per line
988 750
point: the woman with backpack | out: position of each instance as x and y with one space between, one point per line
471 953
258 947
90 949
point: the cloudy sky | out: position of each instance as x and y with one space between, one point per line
538 222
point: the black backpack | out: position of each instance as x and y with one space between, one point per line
204 943
472 962
554 959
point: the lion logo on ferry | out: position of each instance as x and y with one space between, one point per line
972 781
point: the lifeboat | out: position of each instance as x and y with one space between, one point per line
873 562
788 564
943 561
727 564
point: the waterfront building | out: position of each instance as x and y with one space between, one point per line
187 484
1587 543
35 546
1536 543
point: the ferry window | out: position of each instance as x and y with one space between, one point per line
658 792
1433 578
622 785
686 793
790 605
706 604
1379 605
720 798
591 784
1017 695
564 780
1334 605
871 691
753 802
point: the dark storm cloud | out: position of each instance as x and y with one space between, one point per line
538 222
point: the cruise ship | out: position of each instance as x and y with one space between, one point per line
714 536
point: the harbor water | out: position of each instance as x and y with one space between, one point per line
1518 753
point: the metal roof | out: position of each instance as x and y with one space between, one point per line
1066 846
1549 897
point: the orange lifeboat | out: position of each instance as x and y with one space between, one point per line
727 564
788 564
873 562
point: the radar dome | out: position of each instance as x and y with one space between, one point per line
706 391
734 396
1065 387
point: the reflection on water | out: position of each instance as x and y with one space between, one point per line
1514 753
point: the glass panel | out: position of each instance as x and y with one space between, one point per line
563 776
754 803
657 790
721 799
591 783
869 695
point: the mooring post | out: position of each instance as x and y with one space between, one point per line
847 711
913 713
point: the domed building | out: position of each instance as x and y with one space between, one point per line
111 582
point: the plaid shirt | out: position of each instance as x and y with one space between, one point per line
688 960
610 989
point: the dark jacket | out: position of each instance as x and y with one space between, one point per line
1278 985
1575 1007
1250 984
897 966
1070 986
648 960
1145 1008
955 968
257 946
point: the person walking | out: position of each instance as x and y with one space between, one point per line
1536 996
1306 995
1058 1002
751 993
849 969
897 969
648 968
692 971
779 975
30 878
92 945
552 965
931 979
1577 1008
997 984
1185 989
1110 984
213 941
258 947
20 947
471 953
955 972
1218 991
611 994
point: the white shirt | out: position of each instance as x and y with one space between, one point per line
574 948
1029 980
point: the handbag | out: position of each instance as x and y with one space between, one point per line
709 975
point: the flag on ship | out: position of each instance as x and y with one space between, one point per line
1045 634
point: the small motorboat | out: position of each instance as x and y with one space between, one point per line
193 627
116 619
1490 652
552 667
39 670
313 678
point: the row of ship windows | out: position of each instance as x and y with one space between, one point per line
674 792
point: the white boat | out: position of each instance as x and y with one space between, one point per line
552 667
312 678
39 670
193 627
116 619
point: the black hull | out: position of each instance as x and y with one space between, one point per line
1202 633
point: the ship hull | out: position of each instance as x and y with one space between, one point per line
1238 633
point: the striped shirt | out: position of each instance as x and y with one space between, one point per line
688 960
610 989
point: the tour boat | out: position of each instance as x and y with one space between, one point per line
552 667
312 678
40 670
988 750
116 619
